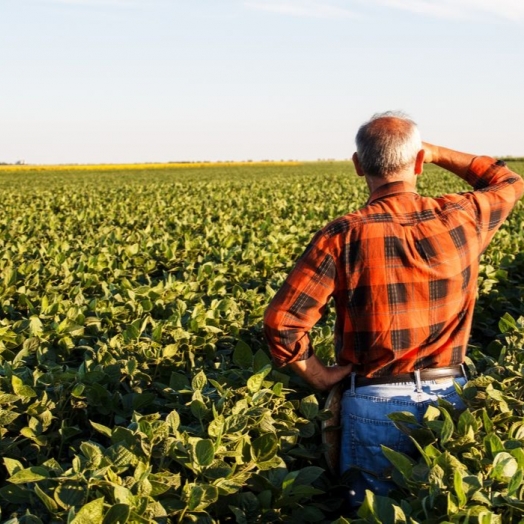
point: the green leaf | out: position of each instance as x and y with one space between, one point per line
459 488
260 361
69 495
504 467
493 444
518 454
28 518
35 326
121 456
204 452
254 382
405 417
10 276
218 470
432 413
264 447
497 395
309 514
447 427
6 398
200 496
170 351
7 417
179 382
515 482
21 389
308 475
449 463
517 430
123 495
14 494
142 400
289 481
92 452
278 389
48 502
199 381
117 514
12 465
91 513
306 429
131 333
381 510
104 430
472 484
240 516
173 419
78 390
467 424
402 462
309 407
242 355
235 424
198 409
33 474
507 323
216 427
488 423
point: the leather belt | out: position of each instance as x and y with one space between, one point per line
425 374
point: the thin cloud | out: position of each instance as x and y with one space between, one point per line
96 3
460 9
302 8
446 9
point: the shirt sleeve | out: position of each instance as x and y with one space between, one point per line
497 189
299 303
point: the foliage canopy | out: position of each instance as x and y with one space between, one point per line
135 384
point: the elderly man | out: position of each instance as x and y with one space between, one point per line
402 272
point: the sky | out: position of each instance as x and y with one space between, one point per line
113 81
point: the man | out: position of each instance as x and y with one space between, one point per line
402 272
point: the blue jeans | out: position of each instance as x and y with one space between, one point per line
366 426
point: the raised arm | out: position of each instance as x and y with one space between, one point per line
497 188
450 160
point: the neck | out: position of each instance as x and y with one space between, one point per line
375 183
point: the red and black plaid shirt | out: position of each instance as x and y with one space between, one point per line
402 272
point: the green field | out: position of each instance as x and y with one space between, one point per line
135 383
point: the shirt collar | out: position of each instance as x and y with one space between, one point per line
393 188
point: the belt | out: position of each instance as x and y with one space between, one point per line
425 374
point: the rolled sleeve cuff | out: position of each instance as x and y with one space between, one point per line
286 353
483 170
280 361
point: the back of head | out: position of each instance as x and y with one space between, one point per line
387 144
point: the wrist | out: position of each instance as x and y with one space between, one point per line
435 155
431 153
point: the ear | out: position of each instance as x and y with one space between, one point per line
419 162
357 164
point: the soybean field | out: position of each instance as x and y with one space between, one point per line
135 382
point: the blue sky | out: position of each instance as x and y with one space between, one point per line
157 80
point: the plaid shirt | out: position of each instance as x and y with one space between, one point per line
403 275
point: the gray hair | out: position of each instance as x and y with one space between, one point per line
387 143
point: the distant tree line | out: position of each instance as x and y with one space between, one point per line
512 158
